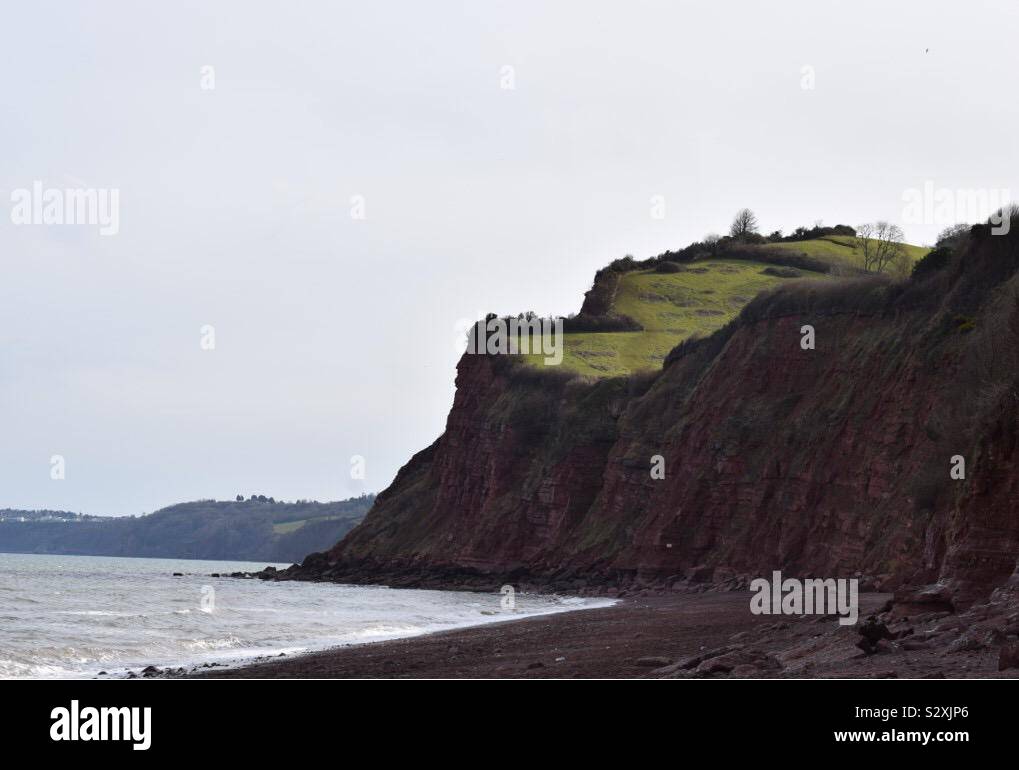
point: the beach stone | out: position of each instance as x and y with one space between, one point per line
873 633
695 660
1008 656
966 643
726 663
652 662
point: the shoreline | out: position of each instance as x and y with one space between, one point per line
551 604
684 635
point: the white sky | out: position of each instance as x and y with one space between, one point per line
336 337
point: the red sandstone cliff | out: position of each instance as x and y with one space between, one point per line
830 462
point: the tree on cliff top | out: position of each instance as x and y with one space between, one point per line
743 225
882 246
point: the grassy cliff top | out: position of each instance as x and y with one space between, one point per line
697 299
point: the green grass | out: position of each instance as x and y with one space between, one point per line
671 307
837 249
698 300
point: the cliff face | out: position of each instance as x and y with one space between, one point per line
830 462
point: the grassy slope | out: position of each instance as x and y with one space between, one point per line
837 248
671 307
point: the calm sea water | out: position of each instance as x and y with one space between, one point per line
73 616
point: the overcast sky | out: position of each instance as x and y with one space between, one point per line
336 336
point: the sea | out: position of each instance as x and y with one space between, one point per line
78 616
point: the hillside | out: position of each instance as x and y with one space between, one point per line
833 461
675 301
248 530
836 250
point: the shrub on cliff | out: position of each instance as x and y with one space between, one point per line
611 322
706 347
628 263
704 249
519 373
817 231
936 259
782 257
867 295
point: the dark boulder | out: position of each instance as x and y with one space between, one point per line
872 632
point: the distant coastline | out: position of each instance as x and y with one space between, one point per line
258 528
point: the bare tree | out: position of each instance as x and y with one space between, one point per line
864 233
881 244
743 224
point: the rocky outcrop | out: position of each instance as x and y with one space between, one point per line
832 461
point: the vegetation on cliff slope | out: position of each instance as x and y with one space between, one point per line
837 249
694 292
694 301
